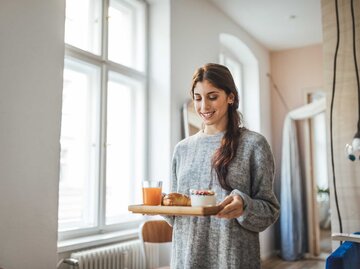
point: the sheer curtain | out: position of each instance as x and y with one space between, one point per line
293 226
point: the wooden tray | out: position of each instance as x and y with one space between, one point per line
175 210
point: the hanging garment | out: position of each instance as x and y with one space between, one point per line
292 224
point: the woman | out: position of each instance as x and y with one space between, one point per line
235 163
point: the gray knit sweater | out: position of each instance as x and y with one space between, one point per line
210 242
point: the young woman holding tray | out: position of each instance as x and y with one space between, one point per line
234 162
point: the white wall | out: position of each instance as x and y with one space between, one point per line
160 153
31 66
195 28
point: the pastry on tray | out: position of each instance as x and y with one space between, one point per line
176 199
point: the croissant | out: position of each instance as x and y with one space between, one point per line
176 199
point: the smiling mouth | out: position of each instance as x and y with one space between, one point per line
207 115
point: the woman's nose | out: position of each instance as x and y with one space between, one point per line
204 104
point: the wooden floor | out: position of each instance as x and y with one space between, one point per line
319 263
277 263
325 240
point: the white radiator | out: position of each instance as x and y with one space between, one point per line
126 255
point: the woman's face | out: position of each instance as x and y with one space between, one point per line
212 104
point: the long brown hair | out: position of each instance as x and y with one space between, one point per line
220 77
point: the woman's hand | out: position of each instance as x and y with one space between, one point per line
232 207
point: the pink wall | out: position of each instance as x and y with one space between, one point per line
295 72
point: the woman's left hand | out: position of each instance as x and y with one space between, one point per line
232 207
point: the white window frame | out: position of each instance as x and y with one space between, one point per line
141 76
318 142
226 56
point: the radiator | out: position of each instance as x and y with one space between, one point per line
126 255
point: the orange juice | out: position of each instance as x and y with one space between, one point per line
152 196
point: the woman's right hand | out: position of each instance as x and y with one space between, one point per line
232 207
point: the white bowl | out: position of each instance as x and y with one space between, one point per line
202 199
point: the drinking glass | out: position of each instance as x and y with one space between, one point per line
151 192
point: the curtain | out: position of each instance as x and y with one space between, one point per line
292 224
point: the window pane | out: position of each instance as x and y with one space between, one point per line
83 24
320 158
79 146
319 150
124 165
236 72
126 33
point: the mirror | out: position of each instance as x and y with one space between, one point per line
192 122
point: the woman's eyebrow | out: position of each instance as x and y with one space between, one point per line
212 92
208 93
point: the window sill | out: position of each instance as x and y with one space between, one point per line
96 240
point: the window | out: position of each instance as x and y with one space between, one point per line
235 68
102 139
244 67
319 149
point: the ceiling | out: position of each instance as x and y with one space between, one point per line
277 24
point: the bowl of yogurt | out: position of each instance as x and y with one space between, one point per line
202 197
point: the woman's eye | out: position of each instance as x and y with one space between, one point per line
212 97
197 99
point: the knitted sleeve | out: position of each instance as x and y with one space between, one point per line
261 206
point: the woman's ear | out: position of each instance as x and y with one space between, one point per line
230 98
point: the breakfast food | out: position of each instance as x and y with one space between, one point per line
176 199
202 198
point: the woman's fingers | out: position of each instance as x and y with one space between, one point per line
228 199
232 207
231 215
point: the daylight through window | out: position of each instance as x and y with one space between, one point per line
103 115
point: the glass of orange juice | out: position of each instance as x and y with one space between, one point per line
151 192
